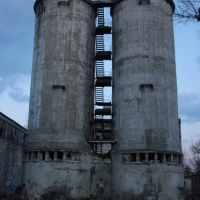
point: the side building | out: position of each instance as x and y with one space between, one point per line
12 140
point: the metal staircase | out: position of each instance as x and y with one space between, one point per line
101 136
99 68
99 43
99 97
100 14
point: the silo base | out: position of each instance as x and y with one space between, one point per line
146 180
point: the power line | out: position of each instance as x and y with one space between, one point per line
15 16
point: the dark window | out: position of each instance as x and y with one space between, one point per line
151 156
142 157
35 155
69 156
63 3
174 158
76 156
40 9
125 157
42 156
144 2
133 157
51 155
60 155
160 157
168 157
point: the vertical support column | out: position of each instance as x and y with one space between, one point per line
46 156
40 155
164 157
172 158
156 157
64 155
137 157
146 157
55 155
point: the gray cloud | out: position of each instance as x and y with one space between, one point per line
16 44
18 95
189 107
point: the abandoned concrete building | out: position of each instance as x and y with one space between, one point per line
12 139
83 145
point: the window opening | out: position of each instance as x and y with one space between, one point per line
29 155
76 156
35 155
69 156
151 156
59 87
60 155
144 2
142 157
160 157
133 157
168 157
40 9
63 3
175 158
125 157
51 155
42 156
179 159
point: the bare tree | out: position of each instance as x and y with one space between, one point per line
192 159
187 10
195 159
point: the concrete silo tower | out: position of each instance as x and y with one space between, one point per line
147 160
81 147
57 155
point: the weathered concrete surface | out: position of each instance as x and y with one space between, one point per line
61 100
146 180
88 178
10 167
62 77
12 137
146 162
145 99
145 91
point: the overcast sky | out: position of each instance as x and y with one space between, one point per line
16 46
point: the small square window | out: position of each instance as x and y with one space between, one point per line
140 2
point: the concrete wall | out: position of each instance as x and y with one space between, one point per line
88 177
146 179
145 110
12 138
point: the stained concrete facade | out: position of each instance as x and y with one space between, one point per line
12 140
145 101
58 156
146 162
